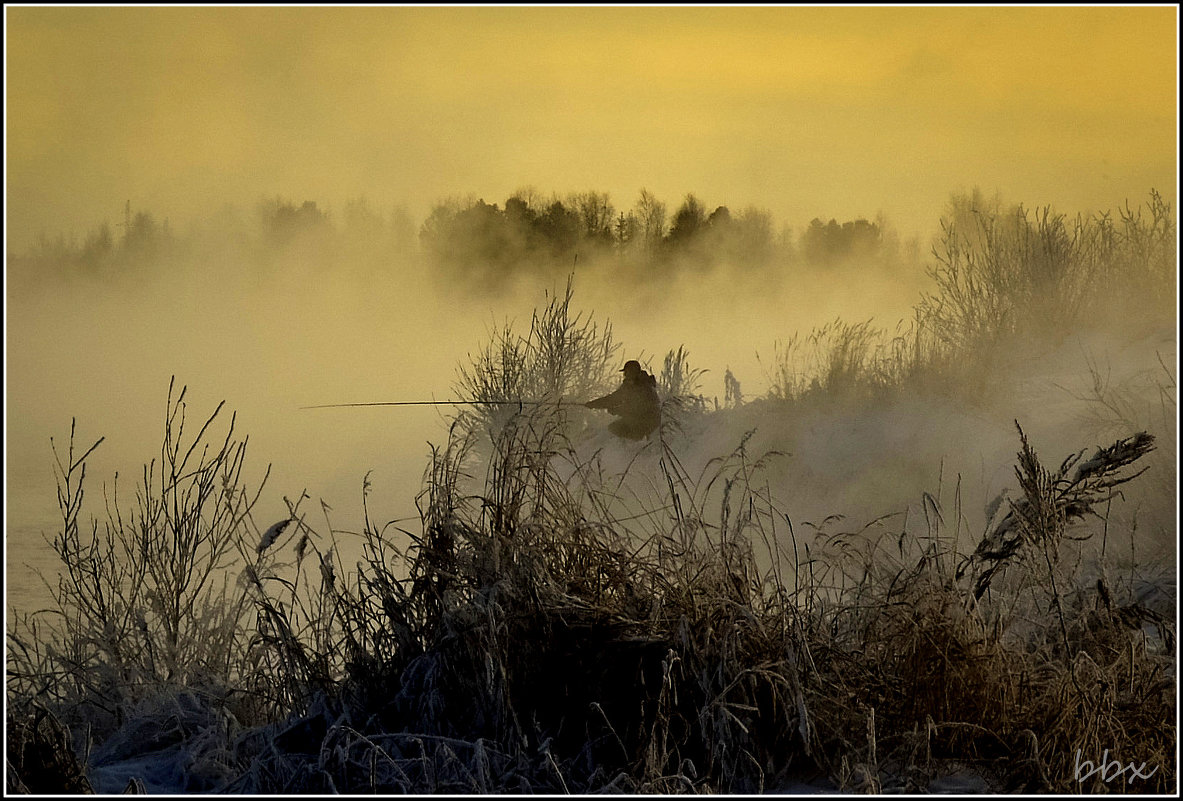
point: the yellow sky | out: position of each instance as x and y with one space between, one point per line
806 112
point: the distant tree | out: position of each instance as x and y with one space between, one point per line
143 239
143 229
965 213
467 237
285 221
560 228
625 231
691 243
520 222
518 210
744 239
482 238
436 229
361 220
650 213
595 213
371 239
402 229
477 237
487 243
531 198
753 234
689 220
786 243
719 237
99 249
831 243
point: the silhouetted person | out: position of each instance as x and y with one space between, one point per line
635 403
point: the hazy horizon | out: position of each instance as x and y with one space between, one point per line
906 279
842 113
827 112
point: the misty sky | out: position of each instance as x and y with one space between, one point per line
832 112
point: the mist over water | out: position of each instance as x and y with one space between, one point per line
908 307
103 350
106 354
268 342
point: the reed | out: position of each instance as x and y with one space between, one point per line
558 626
575 616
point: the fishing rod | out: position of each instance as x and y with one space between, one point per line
446 403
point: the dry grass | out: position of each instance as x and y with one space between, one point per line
565 621
564 356
1014 680
1001 275
143 597
532 637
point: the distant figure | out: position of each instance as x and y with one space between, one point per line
635 403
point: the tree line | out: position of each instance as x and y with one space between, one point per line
487 241
475 241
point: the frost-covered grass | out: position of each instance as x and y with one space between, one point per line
574 614
559 623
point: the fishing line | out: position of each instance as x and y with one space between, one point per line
445 403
